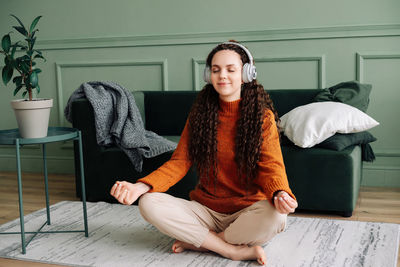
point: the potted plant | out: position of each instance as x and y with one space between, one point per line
32 113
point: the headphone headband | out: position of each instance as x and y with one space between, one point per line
249 70
244 49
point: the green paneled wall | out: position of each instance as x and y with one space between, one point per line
162 45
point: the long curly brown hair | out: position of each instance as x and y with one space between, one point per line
203 124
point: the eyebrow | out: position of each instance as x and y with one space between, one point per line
229 65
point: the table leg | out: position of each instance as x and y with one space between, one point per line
83 184
46 183
21 207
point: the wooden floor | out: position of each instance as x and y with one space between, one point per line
375 204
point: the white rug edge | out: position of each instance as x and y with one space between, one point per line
398 248
293 216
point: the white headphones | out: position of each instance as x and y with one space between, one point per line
249 72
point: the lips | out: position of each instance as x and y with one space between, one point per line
222 84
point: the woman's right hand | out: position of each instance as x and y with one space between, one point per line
127 193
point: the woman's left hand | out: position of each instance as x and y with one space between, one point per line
284 203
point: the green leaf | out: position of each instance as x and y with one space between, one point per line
6 43
38 89
26 58
37 70
33 33
20 23
7 60
33 42
24 67
17 90
7 73
17 80
24 94
39 56
21 30
14 49
33 79
34 22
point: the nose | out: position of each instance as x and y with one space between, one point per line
223 74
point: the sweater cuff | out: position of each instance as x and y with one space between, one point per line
274 187
155 187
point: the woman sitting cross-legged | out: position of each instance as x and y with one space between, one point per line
231 136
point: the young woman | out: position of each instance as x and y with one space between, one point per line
231 136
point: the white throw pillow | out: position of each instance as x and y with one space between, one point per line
311 124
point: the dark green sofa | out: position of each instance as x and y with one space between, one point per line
323 180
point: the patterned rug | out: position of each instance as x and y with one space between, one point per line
118 236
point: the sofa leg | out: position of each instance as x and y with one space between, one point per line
346 213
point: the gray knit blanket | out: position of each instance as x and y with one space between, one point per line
118 121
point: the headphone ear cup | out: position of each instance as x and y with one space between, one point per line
207 75
245 73
249 73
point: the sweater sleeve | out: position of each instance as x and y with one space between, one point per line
173 170
271 169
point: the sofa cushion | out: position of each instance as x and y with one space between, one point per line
311 124
287 99
341 141
352 93
166 112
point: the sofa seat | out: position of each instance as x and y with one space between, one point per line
324 178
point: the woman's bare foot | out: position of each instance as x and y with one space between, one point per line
242 252
245 252
180 246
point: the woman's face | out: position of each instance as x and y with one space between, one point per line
226 74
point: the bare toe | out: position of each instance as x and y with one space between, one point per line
260 254
178 247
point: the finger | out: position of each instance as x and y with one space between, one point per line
285 206
283 194
122 196
282 204
118 191
291 202
128 197
113 188
278 205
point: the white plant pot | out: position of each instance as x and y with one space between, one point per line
32 116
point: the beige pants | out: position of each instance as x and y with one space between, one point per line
190 222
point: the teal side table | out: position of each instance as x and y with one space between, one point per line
54 134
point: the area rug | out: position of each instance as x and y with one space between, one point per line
118 236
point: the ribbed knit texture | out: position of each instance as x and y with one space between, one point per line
229 194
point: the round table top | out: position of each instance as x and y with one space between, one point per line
54 134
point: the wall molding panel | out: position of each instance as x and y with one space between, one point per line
319 59
90 64
379 170
350 31
195 73
361 57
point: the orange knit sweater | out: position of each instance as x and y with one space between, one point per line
229 193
